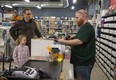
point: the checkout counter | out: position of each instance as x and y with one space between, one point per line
53 68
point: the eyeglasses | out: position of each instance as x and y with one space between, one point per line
81 13
28 13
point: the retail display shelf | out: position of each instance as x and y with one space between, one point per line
110 22
106 68
51 25
112 28
109 15
105 46
108 33
108 40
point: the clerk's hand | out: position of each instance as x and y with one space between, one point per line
61 41
72 36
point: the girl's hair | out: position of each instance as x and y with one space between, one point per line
19 39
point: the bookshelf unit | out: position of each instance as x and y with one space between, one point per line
50 25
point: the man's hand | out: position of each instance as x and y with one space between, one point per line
72 36
61 41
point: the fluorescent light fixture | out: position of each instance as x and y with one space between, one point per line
38 6
72 7
8 6
74 1
27 0
15 4
52 5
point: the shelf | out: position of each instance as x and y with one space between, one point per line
105 61
108 40
108 28
108 34
110 22
57 24
109 15
106 52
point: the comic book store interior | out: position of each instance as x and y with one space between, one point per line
57 39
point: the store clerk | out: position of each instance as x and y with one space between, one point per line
82 47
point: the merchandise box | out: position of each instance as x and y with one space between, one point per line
109 50
109 19
105 59
106 30
101 46
98 39
113 60
111 78
111 25
114 17
106 25
106 48
104 70
114 25
105 53
39 47
107 36
97 47
101 50
112 73
109 57
105 65
112 66
108 74
101 40
111 38
114 39
111 32
96 51
102 30
114 45
107 68
114 53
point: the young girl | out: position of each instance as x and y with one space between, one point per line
21 51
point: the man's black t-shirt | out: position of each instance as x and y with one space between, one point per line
84 54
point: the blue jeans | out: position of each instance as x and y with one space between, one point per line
83 72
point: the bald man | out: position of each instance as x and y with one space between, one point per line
82 47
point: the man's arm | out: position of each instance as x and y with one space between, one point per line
13 30
37 32
70 42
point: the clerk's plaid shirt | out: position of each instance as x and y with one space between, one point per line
20 55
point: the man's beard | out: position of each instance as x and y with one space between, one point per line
80 22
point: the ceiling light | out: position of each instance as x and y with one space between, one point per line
74 1
8 6
72 7
38 6
15 4
27 0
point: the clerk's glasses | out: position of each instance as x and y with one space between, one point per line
80 12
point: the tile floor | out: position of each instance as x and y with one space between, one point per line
97 73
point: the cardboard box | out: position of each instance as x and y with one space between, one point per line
39 47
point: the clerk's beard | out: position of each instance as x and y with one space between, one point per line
80 22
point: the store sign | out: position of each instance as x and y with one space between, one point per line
112 5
